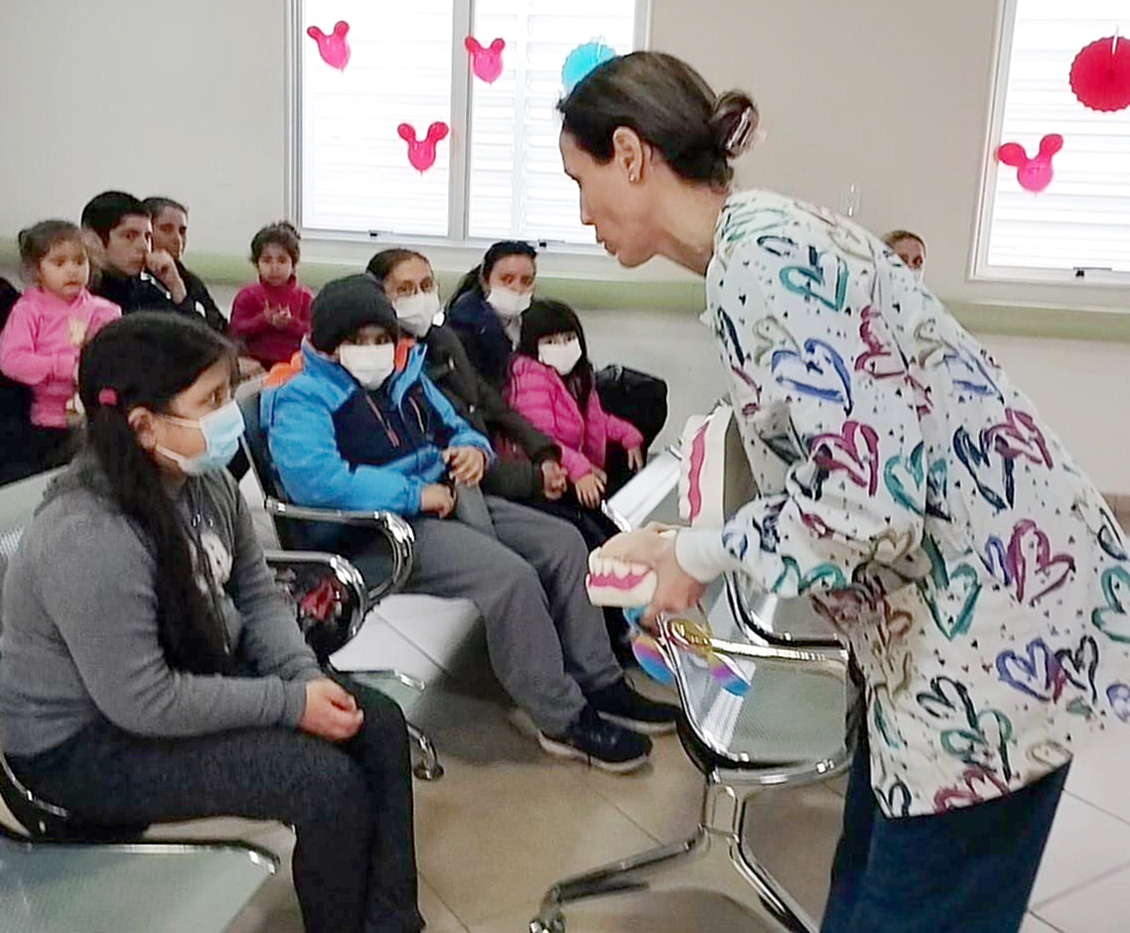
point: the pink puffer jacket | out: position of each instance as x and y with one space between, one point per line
539 393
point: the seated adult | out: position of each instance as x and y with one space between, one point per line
16 460
410 284
170 233
487 307
362 427
911 249
126 269
151 671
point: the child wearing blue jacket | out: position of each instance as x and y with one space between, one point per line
362 427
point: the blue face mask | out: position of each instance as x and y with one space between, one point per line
222 430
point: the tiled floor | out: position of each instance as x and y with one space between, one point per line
507 821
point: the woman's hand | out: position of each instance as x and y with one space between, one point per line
676 590
554 480
465 465
331 711
635 458
590 489
437 499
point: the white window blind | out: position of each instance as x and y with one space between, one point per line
517 187
1082 220
354 167
498 174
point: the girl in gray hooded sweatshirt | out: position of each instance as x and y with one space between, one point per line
149 669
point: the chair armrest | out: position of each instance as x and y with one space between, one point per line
328 593
752 623
396 531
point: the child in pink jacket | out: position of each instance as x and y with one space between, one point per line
40 343
552 384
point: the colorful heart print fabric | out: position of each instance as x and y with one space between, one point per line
917 497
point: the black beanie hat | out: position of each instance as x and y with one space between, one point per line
346 305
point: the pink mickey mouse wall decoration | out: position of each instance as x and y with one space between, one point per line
1100 74
422 152
1034 174
486 61
333 48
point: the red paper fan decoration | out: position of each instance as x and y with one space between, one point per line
1100 74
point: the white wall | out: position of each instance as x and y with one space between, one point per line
188 98
151 96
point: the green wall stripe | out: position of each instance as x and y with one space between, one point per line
688 297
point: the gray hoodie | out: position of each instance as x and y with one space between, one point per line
79 639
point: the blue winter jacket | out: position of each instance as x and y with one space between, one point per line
336 445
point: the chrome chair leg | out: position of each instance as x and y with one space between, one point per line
775 902
428 768
616 878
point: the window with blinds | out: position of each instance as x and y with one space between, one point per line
498 173
1079 226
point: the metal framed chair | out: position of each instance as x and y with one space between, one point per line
295 525
795 725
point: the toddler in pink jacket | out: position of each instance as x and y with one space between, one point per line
552 384
47 327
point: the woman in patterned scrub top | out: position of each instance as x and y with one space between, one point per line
905 486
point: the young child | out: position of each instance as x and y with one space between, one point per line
270 318
46 329
361 427
151 671
552 384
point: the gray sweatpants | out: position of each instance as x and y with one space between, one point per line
548 645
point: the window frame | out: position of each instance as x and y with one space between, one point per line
458 214
980 270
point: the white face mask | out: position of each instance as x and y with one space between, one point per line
563 357
508 303
417 312
369 365
919 274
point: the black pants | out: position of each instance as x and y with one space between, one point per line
350 803
969 870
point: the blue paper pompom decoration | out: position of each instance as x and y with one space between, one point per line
583 59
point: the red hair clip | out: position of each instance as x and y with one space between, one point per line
108 397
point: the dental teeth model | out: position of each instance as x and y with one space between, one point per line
617 583
714 479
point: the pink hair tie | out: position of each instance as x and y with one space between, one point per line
108 397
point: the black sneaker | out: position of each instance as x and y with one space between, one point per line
602 744
620 704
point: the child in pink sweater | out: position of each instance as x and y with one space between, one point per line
552 384
40 343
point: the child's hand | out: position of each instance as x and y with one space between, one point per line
162 265
465 465
635 458
76 331
554 479
590 488
437 499
277 315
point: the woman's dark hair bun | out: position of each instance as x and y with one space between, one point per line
734 122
